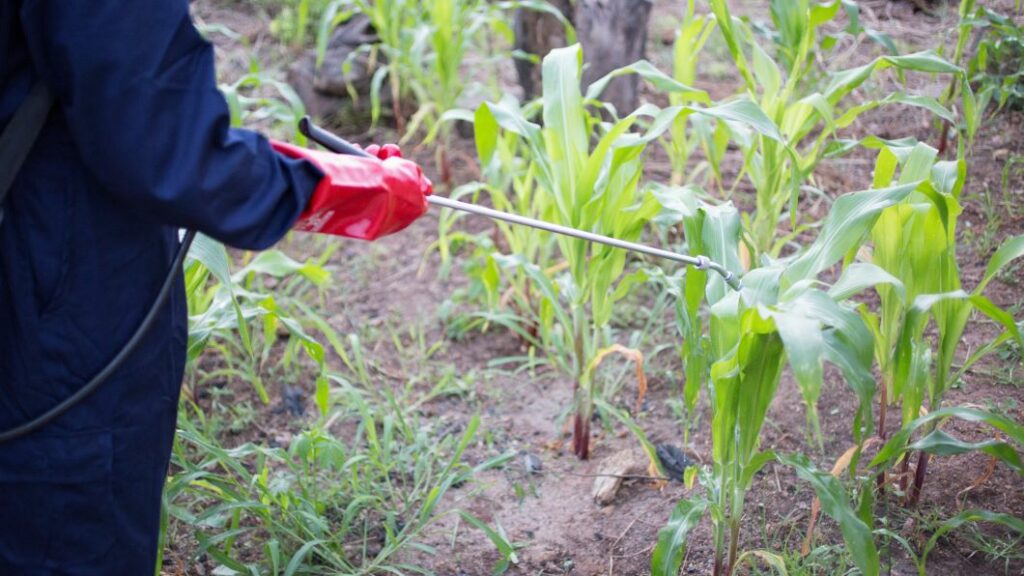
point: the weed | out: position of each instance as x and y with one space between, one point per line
506 548
320 504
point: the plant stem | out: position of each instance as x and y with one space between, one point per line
883 406
904 471
919 475
581 393
718 559
734 537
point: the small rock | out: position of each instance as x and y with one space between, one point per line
532 464
292 397
673 460
611 473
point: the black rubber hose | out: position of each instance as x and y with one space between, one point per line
118 360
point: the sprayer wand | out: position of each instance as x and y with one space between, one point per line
336 144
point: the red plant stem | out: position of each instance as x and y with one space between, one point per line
444 167
904 472
581 435
944 138
919 475
581 424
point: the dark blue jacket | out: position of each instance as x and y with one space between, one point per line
138 146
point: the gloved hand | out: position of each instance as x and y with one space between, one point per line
363 198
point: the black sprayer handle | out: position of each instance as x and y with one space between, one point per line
330 141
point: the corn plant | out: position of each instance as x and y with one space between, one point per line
781 314
294 19
1007 450
705 226
247 108
395 23
590 172
693 33
996 66
421 50
914 244
510 183
992 73
809 119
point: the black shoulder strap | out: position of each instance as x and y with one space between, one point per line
20 134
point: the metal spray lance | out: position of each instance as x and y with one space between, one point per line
341 146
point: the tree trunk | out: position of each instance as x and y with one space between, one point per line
538 33
613 33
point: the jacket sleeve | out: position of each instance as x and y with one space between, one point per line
136 84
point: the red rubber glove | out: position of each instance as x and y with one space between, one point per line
363 198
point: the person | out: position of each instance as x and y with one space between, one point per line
137 146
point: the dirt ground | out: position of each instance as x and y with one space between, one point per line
551 511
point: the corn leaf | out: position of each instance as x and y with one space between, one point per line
847 225
860 276
942 444
897 445
672 538
1008 252
657 78
834 502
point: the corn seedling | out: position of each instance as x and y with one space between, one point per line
510 182
992 63
246 108
780 315
809 119
590 171
505 547
914 245
420 55
693 33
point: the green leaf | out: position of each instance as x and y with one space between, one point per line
834 502
804 344
661 81
299 557
746 112
565 132
860 276
500 541
942 444
848 223
970 516
777 563
277 264
925 61
485 130
322 395
897 445
844 82
1008 252
671 545
211 254
635 428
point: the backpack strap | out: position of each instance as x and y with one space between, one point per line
19 136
